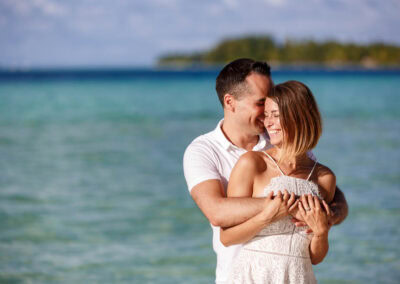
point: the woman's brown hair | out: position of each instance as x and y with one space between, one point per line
299 117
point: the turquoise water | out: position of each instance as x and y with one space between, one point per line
92 189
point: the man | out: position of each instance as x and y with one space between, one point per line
242 87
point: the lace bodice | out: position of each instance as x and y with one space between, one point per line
291 184
284 230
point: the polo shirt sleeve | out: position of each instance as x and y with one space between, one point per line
199 164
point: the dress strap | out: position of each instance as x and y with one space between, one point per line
276 164
312 170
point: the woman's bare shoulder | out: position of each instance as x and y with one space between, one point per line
253 160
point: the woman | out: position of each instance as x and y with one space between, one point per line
275 251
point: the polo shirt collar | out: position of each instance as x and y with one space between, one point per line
220 136
262 142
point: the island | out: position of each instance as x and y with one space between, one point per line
291 52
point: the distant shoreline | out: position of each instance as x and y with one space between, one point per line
193 68
170 73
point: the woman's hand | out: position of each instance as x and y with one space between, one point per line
314 215
279 206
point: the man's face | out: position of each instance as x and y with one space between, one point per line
250 107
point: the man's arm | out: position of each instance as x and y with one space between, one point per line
203 179
339 207
222 211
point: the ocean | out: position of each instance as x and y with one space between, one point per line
92 188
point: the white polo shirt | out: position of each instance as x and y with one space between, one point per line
212 156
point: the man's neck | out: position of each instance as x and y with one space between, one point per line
238 137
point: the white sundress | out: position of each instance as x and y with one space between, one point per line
280 252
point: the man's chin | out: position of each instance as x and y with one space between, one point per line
261 130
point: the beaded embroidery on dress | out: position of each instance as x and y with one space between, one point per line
280 252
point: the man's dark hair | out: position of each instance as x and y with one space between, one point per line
232 78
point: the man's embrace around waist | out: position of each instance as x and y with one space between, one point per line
242 87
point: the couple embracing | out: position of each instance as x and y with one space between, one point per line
255 178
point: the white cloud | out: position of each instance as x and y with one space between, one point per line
50 7
19 7
275 2
166 3
26 7
231 4
142 30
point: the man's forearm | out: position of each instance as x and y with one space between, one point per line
222 211
235 210
339 207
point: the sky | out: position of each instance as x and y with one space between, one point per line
90 33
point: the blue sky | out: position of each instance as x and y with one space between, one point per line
55 33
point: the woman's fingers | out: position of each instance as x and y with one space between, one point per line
304 202
285 195
328 213
310 201
317 203
279 195
291 200
327 209
301 209
293 206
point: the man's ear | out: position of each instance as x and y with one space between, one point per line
229 102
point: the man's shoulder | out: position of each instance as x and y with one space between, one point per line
204 141
200 161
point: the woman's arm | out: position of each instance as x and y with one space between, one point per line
317 218
241 182
277 207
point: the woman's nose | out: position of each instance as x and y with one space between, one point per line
267 122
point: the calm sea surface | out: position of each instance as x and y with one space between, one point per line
92 189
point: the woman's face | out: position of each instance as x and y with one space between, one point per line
272 122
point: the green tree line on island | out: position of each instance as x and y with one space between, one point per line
302 52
